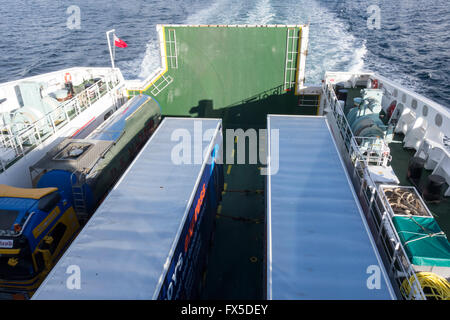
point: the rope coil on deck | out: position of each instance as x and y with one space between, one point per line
404 202
434 286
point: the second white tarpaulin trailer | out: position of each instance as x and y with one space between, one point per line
150 236
319 245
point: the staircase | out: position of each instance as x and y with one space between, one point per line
291 58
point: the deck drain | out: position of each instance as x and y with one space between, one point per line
253 259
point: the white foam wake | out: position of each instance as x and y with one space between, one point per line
261 13
219 12
331 46
358 61
152 59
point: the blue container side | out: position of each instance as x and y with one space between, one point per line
61 179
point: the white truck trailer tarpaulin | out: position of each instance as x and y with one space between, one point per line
319 245
150 236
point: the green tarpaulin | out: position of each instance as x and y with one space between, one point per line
423 240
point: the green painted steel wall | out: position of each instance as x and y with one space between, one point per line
223 66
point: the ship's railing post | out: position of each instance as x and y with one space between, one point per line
66 113
79 106
88 94
394 257
381 226
12 140
20 143
96 92
52 122
3 144
38 134
372 196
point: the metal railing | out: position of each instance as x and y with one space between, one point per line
398 265
19 139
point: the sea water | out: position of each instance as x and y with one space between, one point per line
411 45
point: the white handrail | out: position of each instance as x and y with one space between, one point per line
23 140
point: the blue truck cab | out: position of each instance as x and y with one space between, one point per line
36 225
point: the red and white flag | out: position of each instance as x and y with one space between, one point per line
119 43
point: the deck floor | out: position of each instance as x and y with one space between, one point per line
236 265
400 160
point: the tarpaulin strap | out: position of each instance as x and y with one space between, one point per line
420 226
430 235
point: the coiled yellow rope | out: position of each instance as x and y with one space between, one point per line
434 286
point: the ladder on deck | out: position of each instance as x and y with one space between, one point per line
78 194
290 69
161 84
171 44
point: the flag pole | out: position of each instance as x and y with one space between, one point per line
109 46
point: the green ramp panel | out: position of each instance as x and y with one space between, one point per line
218 67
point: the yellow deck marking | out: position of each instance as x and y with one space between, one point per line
232 153
219 209
318 106
225 185
229 169
299 53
